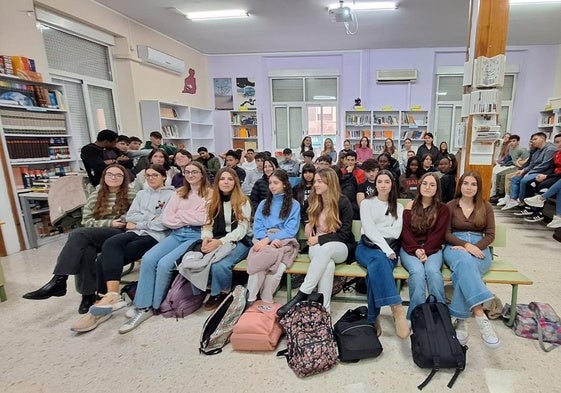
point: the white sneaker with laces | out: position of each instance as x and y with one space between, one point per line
461 330
109 302
503 200
555 223
535 201
130 312
140 315
488 334
511 204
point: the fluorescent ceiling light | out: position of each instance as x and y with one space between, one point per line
221 14
367 5
526 2
326 98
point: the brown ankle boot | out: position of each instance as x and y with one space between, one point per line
401 326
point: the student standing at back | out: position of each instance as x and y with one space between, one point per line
330 237
425 220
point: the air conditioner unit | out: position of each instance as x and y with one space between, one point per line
160 59
396 76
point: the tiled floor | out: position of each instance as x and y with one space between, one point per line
39 353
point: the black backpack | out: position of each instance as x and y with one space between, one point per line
356 338
433 342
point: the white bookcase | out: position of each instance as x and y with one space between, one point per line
414 125
245 130
549 122
37 146
385 124
181 126
357 125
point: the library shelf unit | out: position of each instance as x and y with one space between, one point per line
182 126
414 125
549 122
385 124
245 130
37 147
357 125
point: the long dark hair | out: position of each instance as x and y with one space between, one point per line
420 169
287 198
392 198
166 157
479 210
422 219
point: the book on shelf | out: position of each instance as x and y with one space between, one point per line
168 112
489 71
388 134
485 101
170 131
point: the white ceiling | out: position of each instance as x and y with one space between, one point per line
305 25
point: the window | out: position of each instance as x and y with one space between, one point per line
304 106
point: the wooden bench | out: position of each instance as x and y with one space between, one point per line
500 272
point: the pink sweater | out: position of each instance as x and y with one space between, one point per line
180 212
363 154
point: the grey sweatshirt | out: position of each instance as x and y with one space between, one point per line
146 209
542 160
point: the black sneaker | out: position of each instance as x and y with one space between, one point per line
524 212
535 218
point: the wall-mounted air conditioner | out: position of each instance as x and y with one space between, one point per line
160 59
396 76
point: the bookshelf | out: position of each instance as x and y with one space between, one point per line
385 124
357 125
414 125
181 126
245 130
549 122
37 145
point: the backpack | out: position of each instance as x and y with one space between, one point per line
311 344
537 321
218 326
433 342
180 300
356 338
258 328
128 292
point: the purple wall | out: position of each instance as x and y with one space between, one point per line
358 79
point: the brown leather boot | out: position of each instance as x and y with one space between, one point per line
401 326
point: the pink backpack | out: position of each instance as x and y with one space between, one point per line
180 300
258 329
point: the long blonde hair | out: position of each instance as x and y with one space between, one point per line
328 202
237 197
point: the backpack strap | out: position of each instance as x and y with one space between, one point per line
284 353
212 352
427 379
539 318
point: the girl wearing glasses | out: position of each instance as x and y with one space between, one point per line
470 232
229 213
157 157
100 220
425 220
185 214
144 230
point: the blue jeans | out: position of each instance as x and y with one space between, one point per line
381 289
518 186
555 189
158 265
221 271
467 270
421 276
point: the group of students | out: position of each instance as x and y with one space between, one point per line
158 225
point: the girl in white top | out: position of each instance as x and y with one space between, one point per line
381 217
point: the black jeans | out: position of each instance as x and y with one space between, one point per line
78 256
118 251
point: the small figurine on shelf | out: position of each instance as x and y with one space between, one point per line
358 106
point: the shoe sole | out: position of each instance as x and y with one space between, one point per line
128 329
107 309
56 294
96 324
492 345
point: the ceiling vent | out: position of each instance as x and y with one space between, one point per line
396 76
160 59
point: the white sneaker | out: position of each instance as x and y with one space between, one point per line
555 223
503 200
535 201
109 302
140 315
130 312
511 204
488 334
461 330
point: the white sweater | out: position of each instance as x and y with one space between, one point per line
377 226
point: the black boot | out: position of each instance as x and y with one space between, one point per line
55 287
300 296
86 303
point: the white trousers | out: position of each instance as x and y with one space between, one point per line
267 283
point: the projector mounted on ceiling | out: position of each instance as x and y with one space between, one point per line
341 14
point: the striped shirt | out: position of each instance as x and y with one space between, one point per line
108 216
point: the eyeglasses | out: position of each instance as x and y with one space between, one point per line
187 173
429 185
152 175
114 175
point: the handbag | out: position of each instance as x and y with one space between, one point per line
394 244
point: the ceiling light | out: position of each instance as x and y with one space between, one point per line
526 2
367 6
221 14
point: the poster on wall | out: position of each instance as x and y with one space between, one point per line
245 89
223 96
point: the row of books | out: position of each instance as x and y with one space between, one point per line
383 134
14 65
239 119
386 120
548 120
357 134
245 132
409 119
22 122
358 120
26 177
29 150
241 144
13 93
170 131
413 134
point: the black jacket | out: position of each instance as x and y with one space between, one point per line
258 193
